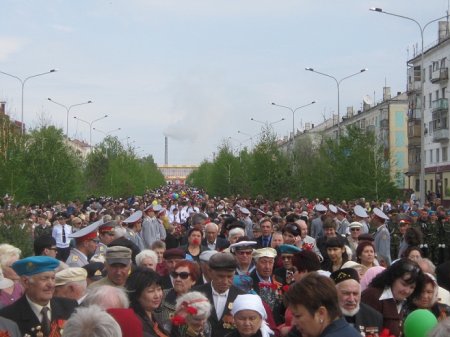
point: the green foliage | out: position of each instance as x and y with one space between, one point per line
355 167
11 232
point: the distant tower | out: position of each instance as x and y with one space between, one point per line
166 151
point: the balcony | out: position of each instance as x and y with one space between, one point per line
441 135
414 86
414 114
439 105
439 75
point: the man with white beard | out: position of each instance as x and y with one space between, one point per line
361 316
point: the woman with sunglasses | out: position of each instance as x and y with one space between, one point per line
389 291
145 294
184 276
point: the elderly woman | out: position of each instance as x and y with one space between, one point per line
249 317
145 293
428 299
184 276
389 291
191 316
315 308
147 259
8 255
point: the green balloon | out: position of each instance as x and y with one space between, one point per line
419 323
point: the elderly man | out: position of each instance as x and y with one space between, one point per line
37 309
211 240
117 265
85 245
221 292
286 272
364 319
71 283
266 284
204 266
307 242
243 251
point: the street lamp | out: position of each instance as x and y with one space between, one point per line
422 110
338 84
23 81
107 133
248 135
68 110
90 126
293 115
266 123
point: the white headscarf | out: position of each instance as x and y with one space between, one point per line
252 302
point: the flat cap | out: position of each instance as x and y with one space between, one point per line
366 237
118 254
223 261
136 216
72 274
360 211
264 252
174 253
35 265
344 274
288 249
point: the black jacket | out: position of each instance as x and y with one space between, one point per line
21 313
219 327
221 243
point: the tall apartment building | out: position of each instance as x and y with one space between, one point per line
433 78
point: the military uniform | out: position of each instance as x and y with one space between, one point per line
101 249
76 258
135 238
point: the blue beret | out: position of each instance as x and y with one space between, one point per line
34 265
289 249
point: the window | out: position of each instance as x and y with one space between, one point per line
443 92
437 155
430 72
430 128
417 185
435 65
431 185
431 156
424 101
426 185
445 184
443 63
423 75
430 98
437 94
444 154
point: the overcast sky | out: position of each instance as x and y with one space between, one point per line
199 70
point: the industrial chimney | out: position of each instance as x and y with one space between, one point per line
166 151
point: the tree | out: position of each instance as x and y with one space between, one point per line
51 169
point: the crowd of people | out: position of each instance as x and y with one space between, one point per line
177 262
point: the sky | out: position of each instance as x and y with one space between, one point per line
199 70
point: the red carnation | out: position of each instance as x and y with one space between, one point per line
178 320
191 310
285 288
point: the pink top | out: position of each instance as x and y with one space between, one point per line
7 299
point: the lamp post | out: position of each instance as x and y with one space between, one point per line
293 116
23 81
107 133
266 123
248 135
90 126
422 110
338 84
68 111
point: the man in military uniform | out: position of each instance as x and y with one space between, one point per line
105 236
134 227
85 245
117 265
43 227
382 237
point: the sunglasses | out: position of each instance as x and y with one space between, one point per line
53 248
244 252
355 229
183 275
